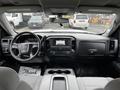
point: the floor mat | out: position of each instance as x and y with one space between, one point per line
29 71
95 70
87 70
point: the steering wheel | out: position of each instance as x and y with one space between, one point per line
25 50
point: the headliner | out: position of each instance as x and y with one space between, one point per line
61 3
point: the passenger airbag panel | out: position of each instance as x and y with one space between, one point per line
92 48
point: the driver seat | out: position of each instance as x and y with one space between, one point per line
10 80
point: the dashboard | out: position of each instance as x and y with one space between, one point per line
60 45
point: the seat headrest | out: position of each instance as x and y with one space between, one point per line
9 79
113 85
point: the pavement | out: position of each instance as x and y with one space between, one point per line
92 28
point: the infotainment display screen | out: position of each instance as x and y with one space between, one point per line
60 42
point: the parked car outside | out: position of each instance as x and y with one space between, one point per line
36 22
14 18
79 21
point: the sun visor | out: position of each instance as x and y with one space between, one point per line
18 9
98 10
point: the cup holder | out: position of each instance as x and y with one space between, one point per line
66 72
59 72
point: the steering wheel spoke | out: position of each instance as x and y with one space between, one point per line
19 55
15 46
31 55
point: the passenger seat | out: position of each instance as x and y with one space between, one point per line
93 83
113 85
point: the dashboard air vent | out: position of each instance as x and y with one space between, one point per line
113 46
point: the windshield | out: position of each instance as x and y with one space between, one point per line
77 22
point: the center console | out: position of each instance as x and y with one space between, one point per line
60 45
59 79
